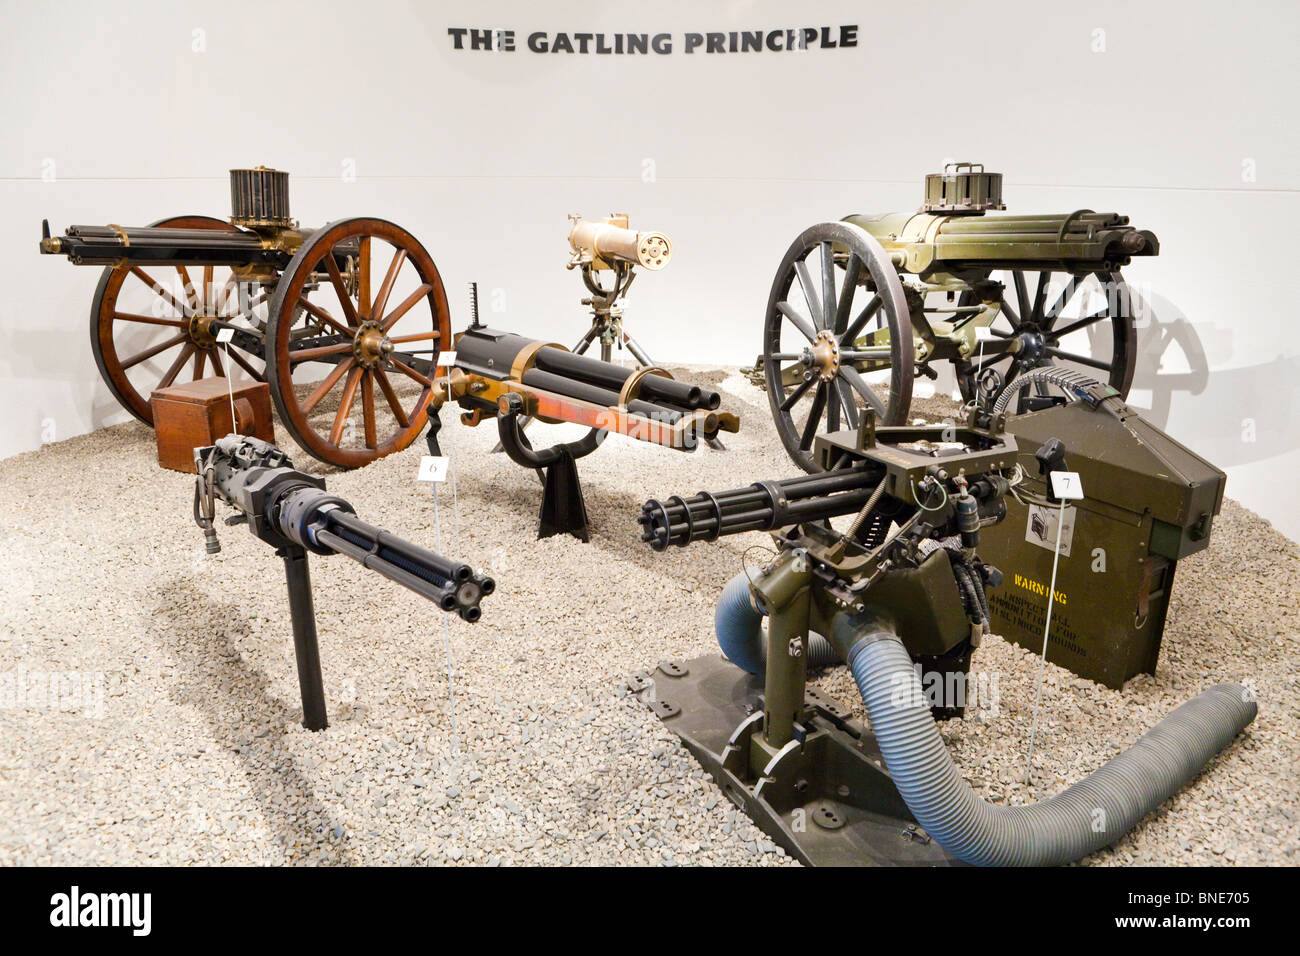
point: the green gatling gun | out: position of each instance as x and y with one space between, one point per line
859 307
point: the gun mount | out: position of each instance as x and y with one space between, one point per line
899 596
859 307
609 247
292 512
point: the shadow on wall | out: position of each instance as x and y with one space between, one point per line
30 356
1235 416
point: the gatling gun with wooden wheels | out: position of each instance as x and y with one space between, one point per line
859 307
296 300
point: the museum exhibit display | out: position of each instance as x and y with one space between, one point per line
901 592
859 307
262 306
459 311
292 512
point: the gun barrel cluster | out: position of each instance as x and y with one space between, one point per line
452 585
609 242
763 506
289 509
653 388
644 403
110 245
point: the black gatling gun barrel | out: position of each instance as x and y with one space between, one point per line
494 369
288 508
450 585
502 354
142 245
763 506
654 388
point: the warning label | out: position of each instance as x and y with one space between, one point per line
1022 619
1040 528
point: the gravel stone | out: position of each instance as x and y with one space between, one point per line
186 747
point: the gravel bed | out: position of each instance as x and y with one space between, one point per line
150 709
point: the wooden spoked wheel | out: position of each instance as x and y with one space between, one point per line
1083 322
150 326
374 318
837 338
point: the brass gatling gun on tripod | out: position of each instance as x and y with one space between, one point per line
610 247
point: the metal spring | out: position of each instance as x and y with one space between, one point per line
473 305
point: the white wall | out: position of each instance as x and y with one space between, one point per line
482 155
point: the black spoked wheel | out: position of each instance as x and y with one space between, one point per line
837 338
1085 322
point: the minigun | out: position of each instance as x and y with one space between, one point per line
292 512
899 596
919 496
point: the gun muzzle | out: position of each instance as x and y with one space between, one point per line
605 242
763 506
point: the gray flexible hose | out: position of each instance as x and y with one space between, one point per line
739 626
1082 819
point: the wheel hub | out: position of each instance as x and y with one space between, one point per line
1032 345
201 332
371 347
824 356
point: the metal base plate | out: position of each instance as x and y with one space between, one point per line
828 801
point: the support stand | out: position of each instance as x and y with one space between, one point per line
791 758
431 437
305 646
826 797
563 509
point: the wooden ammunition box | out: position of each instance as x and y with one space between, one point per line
196 414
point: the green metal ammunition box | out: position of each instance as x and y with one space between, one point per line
1149 502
